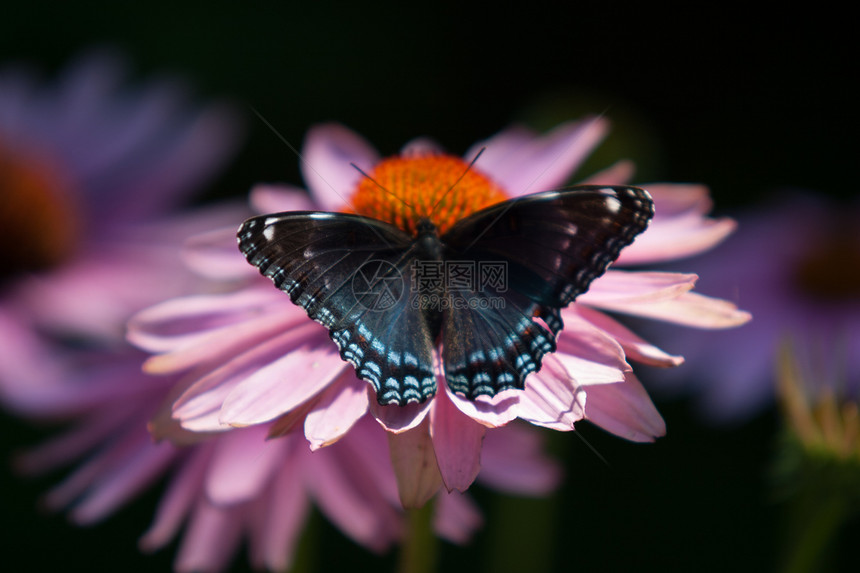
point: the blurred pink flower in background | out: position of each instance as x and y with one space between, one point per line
796 266
91 171
112 165
252 357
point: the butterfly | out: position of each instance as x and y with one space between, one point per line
484 296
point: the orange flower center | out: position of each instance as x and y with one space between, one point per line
38 228
442 188
830 270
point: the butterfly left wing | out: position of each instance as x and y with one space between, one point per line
351 274
551 246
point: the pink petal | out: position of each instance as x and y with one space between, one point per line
680 226
116 487
214 255
163 426
620 173
679 237
689 309
70 445
456 517
367 445
625 410
674 199
286 423
513 460
283 510
420 147
99 467
551 398
588 354
198 410
242 465
348 498
340 406
29 368
588 371
95 294
414 461
267 198
82 387
168 232
187 321
545 162
636 287
490 412
175 504
183 163
399 418
499 148
210 540
199 407
279 386
199 350
326 156
456 442
226 341
634 347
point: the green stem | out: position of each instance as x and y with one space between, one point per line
418 552
815 527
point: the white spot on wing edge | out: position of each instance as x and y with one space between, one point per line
613 205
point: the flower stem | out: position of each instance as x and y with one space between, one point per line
418 552
815 527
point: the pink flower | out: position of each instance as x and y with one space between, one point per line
240 486
123 172
90 172
252 357
794 265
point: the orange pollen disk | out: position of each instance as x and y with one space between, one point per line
405 190
830 270
38 225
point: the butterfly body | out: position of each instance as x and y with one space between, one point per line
427 240
483 298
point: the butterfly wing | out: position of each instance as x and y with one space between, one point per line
552 245
352 275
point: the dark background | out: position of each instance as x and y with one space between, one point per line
750 102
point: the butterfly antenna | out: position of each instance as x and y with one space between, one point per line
592 448
296 151
311 167
382 187
460 178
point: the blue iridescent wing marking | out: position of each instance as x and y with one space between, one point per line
351 274
491 341
552 245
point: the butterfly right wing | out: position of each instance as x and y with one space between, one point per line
352 275
551 245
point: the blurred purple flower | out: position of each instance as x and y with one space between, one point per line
796 266
252 357
90 172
